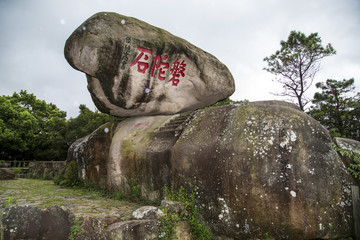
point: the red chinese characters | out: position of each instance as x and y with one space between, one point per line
141 65
177 69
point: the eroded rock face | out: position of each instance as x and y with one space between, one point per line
258 168
135 69
34 223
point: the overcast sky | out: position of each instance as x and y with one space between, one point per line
240 33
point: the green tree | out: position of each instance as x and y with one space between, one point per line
337 109
17 130
296 64
31 128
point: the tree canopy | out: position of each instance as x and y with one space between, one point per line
296 64
337 107
32 129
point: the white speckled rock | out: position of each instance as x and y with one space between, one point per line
262 167
135 69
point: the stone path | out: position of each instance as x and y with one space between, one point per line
44 193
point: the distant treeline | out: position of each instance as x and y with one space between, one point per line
31 129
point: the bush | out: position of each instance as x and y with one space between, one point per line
199 228
71 178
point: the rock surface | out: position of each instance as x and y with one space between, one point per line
33 223
135 69
6 174
258 168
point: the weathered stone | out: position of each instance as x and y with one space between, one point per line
32 223
134 230
258 168
91 229
6 174
135 69
147 212
347 144
174 207
183 231
92 152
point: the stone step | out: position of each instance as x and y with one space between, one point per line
166 133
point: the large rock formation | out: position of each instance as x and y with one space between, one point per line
135 69
258 168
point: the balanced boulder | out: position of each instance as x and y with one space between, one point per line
136 69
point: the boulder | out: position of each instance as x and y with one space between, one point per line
91 229
349 159
134 230
32 223
135 69
6 174
147 212
347 144
257 168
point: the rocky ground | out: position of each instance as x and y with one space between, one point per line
44 193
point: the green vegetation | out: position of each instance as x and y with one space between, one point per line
199 228
337 109
75 230
32 129
296 64
354 168
7 203
225 101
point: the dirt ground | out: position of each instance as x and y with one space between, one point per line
44 193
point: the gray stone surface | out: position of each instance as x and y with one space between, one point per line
31 223
135 230
258 168
135 69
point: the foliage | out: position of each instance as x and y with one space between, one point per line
71 178
8 202
199 228
354 168
32 129
336 109
225 101
296 64
75 230
135 191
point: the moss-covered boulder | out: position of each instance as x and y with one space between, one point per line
258 168
135 69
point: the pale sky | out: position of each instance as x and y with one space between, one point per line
240 33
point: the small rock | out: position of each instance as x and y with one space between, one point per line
92 229
147 212
174 207
6 174
135 230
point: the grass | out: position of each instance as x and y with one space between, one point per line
44 193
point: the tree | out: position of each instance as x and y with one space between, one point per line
337 109
296 64
31 128
17 130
